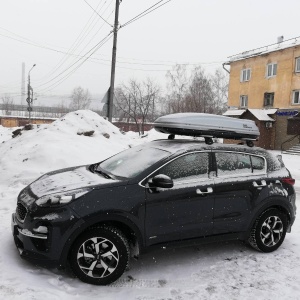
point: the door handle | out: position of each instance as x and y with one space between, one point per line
209 191
263 183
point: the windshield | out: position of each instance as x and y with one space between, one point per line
133 161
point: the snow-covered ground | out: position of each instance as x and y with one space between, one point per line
216 271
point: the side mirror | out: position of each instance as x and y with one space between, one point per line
162 181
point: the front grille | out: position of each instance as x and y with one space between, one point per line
21 211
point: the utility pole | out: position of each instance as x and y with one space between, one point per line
29 95
113 65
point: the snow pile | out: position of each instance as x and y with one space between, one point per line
5 133
59 145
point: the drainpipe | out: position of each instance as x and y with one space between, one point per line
223 65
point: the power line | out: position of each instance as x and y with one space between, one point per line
97 13
142 12
57 83
85 56
79 40
145 12
155 62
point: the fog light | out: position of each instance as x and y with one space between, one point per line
41 229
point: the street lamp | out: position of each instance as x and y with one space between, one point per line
29 97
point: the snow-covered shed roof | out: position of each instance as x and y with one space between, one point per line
263 114
234 112
259 114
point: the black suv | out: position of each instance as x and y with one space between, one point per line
163 193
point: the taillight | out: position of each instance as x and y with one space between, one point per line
288 180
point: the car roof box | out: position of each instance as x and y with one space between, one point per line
207 126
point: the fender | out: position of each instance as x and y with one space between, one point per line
270 202
90 221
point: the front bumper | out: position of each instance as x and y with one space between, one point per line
15 230
43 241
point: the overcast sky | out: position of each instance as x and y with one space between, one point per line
55 34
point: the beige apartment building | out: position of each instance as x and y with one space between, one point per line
264 86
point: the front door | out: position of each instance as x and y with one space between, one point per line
186 210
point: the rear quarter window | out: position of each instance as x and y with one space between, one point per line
274 163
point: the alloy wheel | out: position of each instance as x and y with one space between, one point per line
271 231
98 257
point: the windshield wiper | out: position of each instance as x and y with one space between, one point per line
103 173
93 169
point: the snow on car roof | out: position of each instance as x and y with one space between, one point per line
188 145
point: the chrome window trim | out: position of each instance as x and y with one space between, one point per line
187 153
263 172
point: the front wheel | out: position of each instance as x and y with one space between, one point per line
100 255
269 230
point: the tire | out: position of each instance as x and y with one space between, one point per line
269 230
250 143
208 141
100 255
171 137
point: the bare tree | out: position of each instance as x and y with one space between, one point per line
80 98
7 104
198 92
220 83
137 101
177 85
200 96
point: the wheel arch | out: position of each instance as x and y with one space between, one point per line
127 227
273 204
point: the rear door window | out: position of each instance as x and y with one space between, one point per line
229 163
235 164
258 164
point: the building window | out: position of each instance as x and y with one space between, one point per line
244 101
271 70
268 99
296 97
297 67
245 75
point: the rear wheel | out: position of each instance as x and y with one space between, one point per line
269 230
250 143
100 255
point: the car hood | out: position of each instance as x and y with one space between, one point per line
69 179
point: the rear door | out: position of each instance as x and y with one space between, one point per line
186 210
240 183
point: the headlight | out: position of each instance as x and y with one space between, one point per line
61 198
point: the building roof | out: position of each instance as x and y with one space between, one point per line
259 114
263 114
266 49
234 112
